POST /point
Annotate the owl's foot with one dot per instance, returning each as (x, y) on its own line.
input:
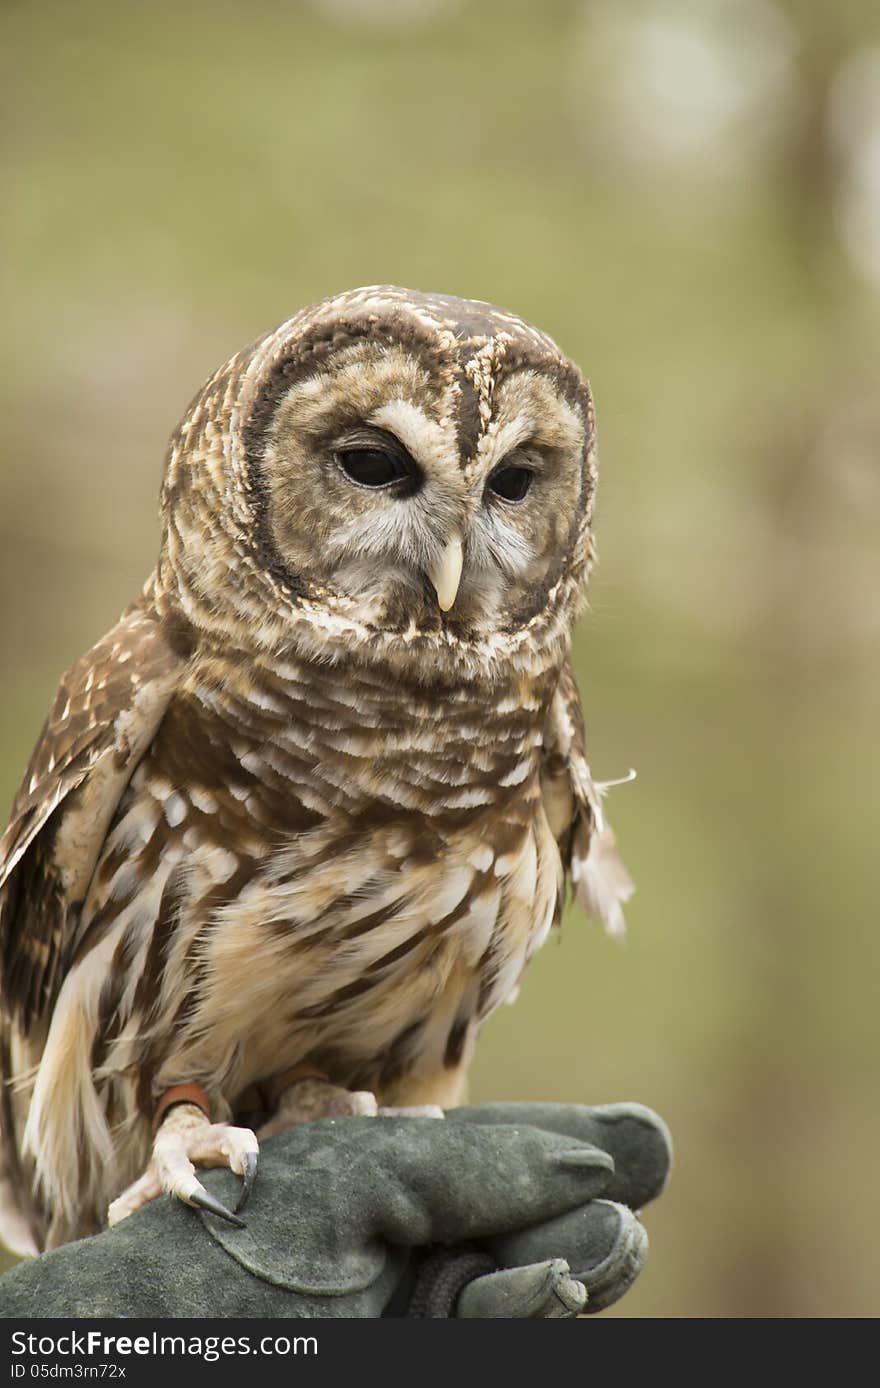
(312, 1098)
(188, 1138)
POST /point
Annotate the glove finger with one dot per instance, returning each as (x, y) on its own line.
(505, 1178)
(604, 1246)
(637, 1139)
(542, 1291)
(334, 1193)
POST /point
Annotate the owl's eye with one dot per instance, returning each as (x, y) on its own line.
(370, 467)
(510, 483)
(375, 462)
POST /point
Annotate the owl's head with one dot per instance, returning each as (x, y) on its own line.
(390, 475)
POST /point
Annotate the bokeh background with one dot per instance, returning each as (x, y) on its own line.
(687, 196)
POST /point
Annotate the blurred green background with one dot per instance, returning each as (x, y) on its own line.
(687, 196)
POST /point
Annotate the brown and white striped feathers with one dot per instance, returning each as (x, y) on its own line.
(314, 798)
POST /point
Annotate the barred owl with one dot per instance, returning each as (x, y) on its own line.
(295, 826)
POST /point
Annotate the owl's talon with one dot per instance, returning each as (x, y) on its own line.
(249, 1175)
(203, 1200)
(187, 1138)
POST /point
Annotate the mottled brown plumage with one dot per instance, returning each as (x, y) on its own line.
(290, 809)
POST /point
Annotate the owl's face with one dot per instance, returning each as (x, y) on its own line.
(374, 492)
(416, 474)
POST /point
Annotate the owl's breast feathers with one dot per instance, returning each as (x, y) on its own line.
(221, 864)
(364, 868)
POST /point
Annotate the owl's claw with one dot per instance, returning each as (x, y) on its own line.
(249, 1175)
(203, 1200)
(186, 1138)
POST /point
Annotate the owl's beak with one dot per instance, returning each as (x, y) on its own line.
(445, 573)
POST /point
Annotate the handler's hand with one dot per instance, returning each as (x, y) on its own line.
(516, 1210)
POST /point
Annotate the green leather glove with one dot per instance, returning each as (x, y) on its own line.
(516, 1210)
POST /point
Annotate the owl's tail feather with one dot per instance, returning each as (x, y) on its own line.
(18, 1223)
(16, 1232)
(67, 1133)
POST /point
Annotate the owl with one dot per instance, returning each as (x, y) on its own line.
(295, 826)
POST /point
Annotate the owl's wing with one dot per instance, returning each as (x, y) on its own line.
(107, 709)
(573, 805)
